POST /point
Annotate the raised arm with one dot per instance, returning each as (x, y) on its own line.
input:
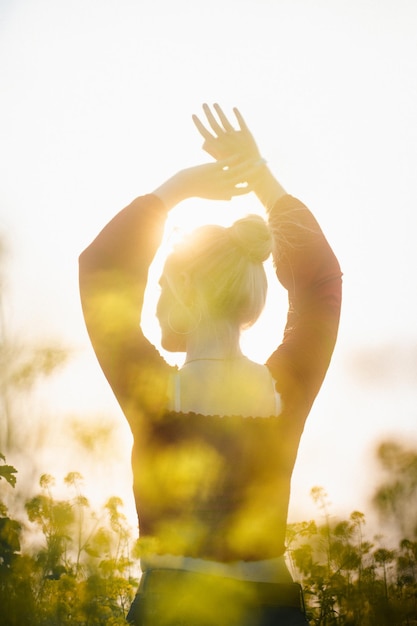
(113, 273)
(307, 267)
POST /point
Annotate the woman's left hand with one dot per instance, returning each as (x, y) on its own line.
(214, 181)
(217, 181)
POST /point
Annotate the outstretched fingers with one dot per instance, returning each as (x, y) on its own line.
(202, 129)
(222, 117)
(240, 120)
(222, 139)
(218, 129)
(215, 126)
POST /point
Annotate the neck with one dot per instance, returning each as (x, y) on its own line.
(220, 342)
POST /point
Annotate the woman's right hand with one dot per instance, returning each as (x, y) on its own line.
(223, 141)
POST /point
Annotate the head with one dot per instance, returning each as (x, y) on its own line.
(214, 276)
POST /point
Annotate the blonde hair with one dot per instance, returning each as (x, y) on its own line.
(225, 267)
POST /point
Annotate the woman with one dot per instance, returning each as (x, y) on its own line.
(215, 441)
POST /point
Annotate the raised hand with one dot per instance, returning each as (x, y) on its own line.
(222, 140)
(239, 167)
(215, 181)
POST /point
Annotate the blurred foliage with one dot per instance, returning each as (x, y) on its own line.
(23, 364)
(396, 498)
(349, 580)
(79, 568)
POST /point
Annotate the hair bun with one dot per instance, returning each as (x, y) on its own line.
(252, 235)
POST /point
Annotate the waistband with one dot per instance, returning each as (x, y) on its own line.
(268, 570)
(161, 581)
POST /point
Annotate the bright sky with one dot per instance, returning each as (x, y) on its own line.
(95, 109)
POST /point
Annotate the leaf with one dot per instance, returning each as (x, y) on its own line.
(28, 365)
(7, 472)
(92, 551)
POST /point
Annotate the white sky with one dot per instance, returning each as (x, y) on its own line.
(96, 100)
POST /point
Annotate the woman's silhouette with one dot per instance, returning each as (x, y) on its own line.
(215, 441)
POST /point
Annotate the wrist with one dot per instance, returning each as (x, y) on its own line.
(171, 192)
(267, 188)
